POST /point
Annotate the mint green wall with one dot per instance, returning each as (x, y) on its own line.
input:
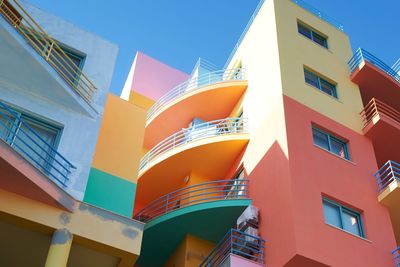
(110, 192)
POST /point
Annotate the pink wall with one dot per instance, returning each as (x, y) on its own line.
(153, 78)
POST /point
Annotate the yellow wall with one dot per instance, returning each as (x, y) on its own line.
(140, 100)
(190, 253)
(120, 142)
(331, 63)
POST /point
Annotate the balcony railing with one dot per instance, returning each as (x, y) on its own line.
(46, 47)
(388, 173)
(319, 14)
(376, 107)
(362, 55)
(237, 243)
(196, 132)
(396, 66)
(196, 83)
(396, 254)
(29, 144)
(196, 194)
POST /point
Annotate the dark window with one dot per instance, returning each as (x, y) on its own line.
(330, 143)
(320, 83)
(312, 35)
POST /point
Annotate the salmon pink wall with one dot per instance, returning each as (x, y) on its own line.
(316, 172)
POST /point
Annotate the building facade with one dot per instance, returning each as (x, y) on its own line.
(275, 136)
(286, 156)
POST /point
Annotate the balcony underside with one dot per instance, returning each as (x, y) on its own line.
(21, 177)
(375, 83)
(383, 131)
(208, 103)
(210, 157)
(209, 221)
(390, 197)
(25, 72)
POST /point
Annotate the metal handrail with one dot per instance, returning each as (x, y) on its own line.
(376, 107)
(396, 66)
(319, 14)
(27, 142)
(396, 255)
(49, 49)
(196, 132)
(237, 243)
(388, 173)
(196, 83)
(362, 55)
(191, 195)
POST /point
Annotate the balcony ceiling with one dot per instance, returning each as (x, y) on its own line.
(375, 83)
(210, 157)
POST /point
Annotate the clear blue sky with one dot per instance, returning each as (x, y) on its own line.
(177, 32)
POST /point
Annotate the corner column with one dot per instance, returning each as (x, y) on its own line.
(59, 249)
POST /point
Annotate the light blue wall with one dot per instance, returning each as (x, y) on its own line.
(80, 125)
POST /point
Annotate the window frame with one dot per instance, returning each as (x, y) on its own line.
(335, 138)
(312, 33)
(342, 209)
(319, 79)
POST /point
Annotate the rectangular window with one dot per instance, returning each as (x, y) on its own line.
(342, 217)
(320, 83)
(15, 132)
(330, 143)
(312, 35)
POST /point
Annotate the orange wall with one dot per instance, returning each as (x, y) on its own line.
(190, 253)
(120, 141)
(315, 172)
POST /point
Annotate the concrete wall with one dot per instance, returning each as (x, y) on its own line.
(80, 129)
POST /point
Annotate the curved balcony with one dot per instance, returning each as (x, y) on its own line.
(388, 178)
(220, 90)
(205, 210)
(382, 126)
(208, 149)
(375, 78)
(192, 195)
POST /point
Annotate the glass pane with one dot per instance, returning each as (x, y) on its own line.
(338, 147)
(311, 78)
(320, 39)
(328, 88)
(332, 214)
(351, 222)
(33, 148)
(6, 126)
(304, 31)
(321, 139)
(65, 65)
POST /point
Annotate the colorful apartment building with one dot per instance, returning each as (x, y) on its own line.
(285, 156)
(291, 131)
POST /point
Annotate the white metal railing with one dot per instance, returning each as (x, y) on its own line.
(196, 132)
(196, 83)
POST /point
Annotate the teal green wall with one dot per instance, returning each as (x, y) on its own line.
(110, 192)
